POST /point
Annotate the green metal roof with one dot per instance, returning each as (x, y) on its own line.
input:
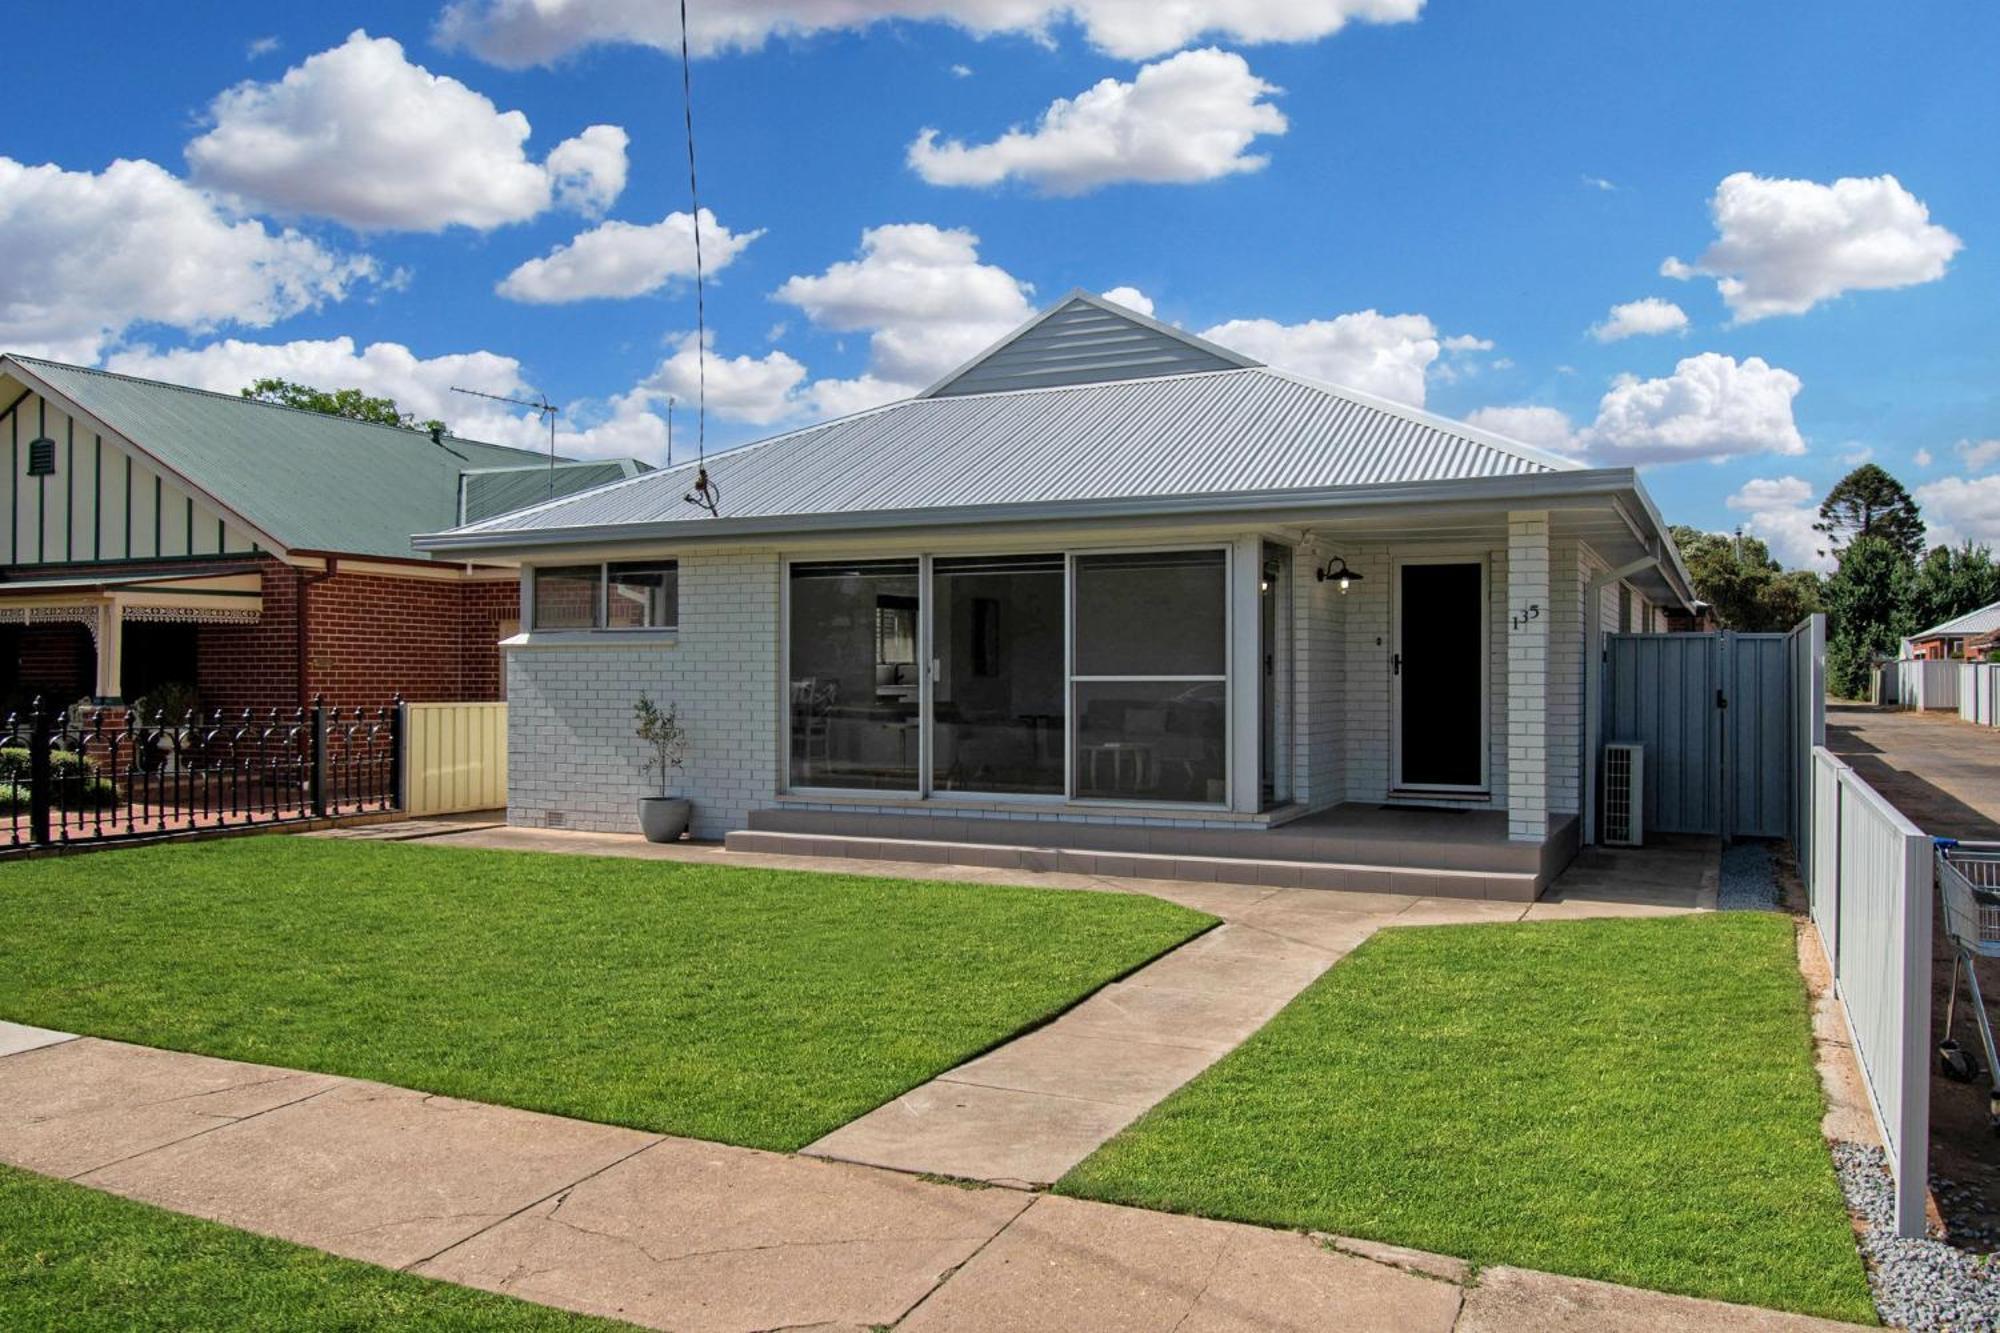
(488, 494)
(310, 481)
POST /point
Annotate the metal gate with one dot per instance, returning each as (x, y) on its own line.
(1715, 713)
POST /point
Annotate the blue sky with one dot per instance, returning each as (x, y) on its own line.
(1487, 180)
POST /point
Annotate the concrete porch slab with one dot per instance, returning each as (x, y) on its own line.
(1071, 1264)
(70, 1107)
(383, 1174)
(705, 1238)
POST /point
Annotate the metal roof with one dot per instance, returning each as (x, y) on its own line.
(1972, 622)
(1085, 339)
(489, 492)
(1177, 437)
(309, 481)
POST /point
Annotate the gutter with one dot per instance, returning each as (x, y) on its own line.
(1593, 681)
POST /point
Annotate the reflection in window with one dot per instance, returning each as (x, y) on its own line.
(997, 633)
(642, 595)
(853, 680)
(566, 596)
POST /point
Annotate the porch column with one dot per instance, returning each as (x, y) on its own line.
(110, 635)
(1528, 675)
(1245, 675)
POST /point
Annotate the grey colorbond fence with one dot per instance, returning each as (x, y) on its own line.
(1921, 683)
(1868, 870)
(1979, 692)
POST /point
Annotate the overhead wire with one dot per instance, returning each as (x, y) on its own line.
(706, 494)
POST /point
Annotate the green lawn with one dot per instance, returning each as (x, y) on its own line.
(754, 1007)
(74, 1259)
(1627, 1100)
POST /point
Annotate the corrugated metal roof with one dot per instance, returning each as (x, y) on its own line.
(311, 481)
(1083, 340)
(490, 492)
(1178, 436)
(1972, 622)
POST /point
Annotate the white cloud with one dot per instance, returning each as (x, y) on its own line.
(261, 46)
(1712, 406)
(89, 255)
(1979, 454)
(961, 71)
(1783, 246)
(757, 389)
(1380, 354)
(1648, 315)
(923, 297)
(1780, 512)
(1856, 456)
(1131, 298)
(618, 259)
(359, 134)
(1186, 119)
(517, 33)
(1599, 183)
(1467, 342)
(1959, 509)
(1543, 427)
(1923, 458)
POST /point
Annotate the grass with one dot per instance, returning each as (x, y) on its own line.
(74, 1259)
(763, 1008)
(1633, 1101)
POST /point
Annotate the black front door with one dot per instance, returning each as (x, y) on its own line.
(1441, 676)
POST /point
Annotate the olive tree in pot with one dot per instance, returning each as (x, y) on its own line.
(662, 818)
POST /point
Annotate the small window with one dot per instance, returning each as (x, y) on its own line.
(566, 596)
(642, 595)
(42, 457)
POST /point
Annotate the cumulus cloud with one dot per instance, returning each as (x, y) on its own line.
(1783, 246)
(518, 33)
(616, 259)
(1959, 509)
(1648, 315)
(1923, 458)
(1131, 298)
(1978, 454)
(1543, 427)
(1186, 119)
(1385, 355)
(755, 389)
(923, 297)
(91, 254)
(1781, 511)
(359, 134)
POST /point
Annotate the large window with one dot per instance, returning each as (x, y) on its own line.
(997, 635)
(620, 595)
(855, 688)
(1150, 677)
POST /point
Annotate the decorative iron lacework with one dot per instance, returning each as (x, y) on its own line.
(84, 613)
(192, 615)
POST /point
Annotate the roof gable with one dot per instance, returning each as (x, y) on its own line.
(1084, 339)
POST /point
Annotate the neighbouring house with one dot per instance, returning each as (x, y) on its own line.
(1956, 637)
(1108, 596)
(161, 540)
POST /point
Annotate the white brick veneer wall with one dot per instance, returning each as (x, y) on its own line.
(1528, 646)
(569, 709)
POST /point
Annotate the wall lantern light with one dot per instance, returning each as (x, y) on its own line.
(1337, 571)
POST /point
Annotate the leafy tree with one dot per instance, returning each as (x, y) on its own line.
(1868, 605)
(1748, 589)
(1868, 502)
(349, 403)
(1951, 581)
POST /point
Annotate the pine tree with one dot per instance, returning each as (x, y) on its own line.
(1868, 502)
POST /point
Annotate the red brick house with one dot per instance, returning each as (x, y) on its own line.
(153, 535)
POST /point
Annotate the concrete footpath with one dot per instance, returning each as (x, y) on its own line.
(688, 1235)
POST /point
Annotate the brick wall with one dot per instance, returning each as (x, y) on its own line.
(253, 666)
(1528, 647)
(569, 712)
(57, 662)
(372, 636)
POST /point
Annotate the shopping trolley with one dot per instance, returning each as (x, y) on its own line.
(1968, 880)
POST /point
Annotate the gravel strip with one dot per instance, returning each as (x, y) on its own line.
(1923, 1285)
(1749, 878)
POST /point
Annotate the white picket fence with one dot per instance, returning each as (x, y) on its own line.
(1979, 692)
(1869, 875)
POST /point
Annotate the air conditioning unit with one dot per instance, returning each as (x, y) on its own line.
(1624, 795)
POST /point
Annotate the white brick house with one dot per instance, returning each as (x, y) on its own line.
(1107, 595)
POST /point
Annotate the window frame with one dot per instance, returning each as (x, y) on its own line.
(601, 603)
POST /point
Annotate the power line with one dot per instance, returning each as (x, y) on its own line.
(705, 494)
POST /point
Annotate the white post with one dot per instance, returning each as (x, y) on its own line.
(1528, 617)
(1246, 673)
(110, 636)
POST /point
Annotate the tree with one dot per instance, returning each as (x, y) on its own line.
(1951, 581)
(1868, 606)
(349, 403)
(1748, 589)
(1868, 502)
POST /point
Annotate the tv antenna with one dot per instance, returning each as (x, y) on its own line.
(542, 407)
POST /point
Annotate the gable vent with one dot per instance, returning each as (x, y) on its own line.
(42, 457)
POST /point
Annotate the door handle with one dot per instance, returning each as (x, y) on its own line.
(1396, 664)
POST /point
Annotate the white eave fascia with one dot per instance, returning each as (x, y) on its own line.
(1268, 506)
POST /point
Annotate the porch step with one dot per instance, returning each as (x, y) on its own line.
(1501, 886)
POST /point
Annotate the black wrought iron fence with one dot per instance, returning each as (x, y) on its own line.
(77, 776)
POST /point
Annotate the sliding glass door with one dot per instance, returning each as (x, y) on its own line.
(854, 680)
(997, 707)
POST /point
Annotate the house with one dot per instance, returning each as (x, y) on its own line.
(1107, 595)
(1954, 637)
(158, 536)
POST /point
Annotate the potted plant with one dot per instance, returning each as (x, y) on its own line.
(662, 818)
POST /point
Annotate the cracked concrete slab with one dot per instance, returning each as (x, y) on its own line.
(703, 1237)
(71, 1107)
(18, 1037)
(383, 1174)
(1515, 1300)
(1019, 1139)
(1066, 1263)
